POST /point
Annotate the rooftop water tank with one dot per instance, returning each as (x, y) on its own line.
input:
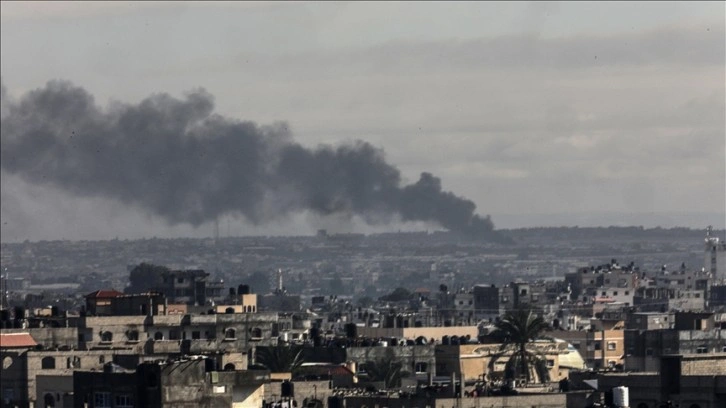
(621, 397)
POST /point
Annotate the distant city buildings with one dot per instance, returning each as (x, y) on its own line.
(178, 337)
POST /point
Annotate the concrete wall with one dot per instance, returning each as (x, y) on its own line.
(413, 332)
(703, 364)
(65, 363)
(14, 385)
(535, 401)
(248, 397)
(59, 387)
(302, 390)
(408, 355)
(51, 337)
(471, 361)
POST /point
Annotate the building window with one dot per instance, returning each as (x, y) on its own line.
(230, 334)
(649, 352)
(420, 368)
(47, 363)
(173, 335)
(102, 399)
(598, 346)
(702, 350)
(550, 363)
(257, 332)
(611, 345)
(106, 337)
(627, 293)
(158, 336)
(124, 401)
(132, 335)
(101, 359)
(196, 335)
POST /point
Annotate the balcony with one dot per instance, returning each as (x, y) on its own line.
(196, 320)
(199, 346)
(165, 346)
(170, 320)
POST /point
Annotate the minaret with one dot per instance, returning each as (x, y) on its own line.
(715, 256)
(279, 280)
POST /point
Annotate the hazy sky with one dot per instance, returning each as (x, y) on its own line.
(541, 113)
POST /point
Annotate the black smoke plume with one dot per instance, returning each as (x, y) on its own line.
(180, 160)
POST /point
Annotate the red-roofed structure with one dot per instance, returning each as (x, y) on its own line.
(99, 302)
(340, 375)
(104, 294)
(16, 340)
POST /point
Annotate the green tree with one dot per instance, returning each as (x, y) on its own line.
(386, 369)
(518, 328)
(280, 359)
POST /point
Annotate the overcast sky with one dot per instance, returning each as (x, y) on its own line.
(541, 113)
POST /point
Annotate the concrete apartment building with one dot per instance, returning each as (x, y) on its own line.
(471, 362)
(40, 368)
(584, 283)
(690, 333)
(193, 382)
(598, 348)
(691, 381)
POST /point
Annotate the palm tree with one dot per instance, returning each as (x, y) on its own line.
(518, 328)
(386, 369)
(280, 359)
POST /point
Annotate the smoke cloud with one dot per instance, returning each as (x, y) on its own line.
(178, 159)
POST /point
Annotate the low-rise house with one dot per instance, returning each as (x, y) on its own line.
(599, 348)
(692, 381)
(196, 381)
(644, 349)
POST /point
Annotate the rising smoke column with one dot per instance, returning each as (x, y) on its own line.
(180, 160)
